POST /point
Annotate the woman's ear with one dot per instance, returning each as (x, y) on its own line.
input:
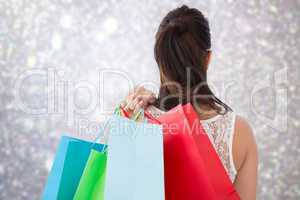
(207, 59)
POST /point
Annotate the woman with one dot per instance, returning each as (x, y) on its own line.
(182, 52)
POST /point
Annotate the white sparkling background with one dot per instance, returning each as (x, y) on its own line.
(252, 40)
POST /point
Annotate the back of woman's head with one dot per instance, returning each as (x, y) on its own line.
(181, 51)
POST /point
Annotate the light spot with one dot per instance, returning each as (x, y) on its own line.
(48, 163)
(2, 170)
(28, 124)
(31, 61)
(56, 41)
(100, 36)
(66, 21)
(110, 25)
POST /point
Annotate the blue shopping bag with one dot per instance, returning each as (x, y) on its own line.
(68, 166)
(135, 161)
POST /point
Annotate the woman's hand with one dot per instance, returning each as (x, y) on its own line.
(137, 99)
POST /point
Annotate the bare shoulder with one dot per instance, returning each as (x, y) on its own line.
(244, 143)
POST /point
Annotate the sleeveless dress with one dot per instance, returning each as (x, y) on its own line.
(220, 130)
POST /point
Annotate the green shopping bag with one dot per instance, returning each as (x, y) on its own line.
(91, 185)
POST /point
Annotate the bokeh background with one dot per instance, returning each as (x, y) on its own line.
(255, 69)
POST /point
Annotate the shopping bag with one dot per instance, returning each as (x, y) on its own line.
(185, 175)
(213, 166)
(67, 168)
(92, 182)
(135, 161)
(202, 176)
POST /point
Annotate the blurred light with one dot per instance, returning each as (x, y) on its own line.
(31, 61)
(66, 21)
(48, 163)
(56, 41)
(110, 25)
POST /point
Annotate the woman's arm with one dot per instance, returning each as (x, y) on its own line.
(245, 158)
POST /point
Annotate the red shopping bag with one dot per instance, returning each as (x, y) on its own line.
(192, 167)
(185, 176)
(213, 166)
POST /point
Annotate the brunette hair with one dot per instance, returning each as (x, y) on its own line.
(182, 44)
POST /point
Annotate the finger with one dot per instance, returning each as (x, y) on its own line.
(123, 104)
(134, 98)
(133, 103)
(139, 93)
(138, 107)
(151, 98)
(147, 99)
(129, 101)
